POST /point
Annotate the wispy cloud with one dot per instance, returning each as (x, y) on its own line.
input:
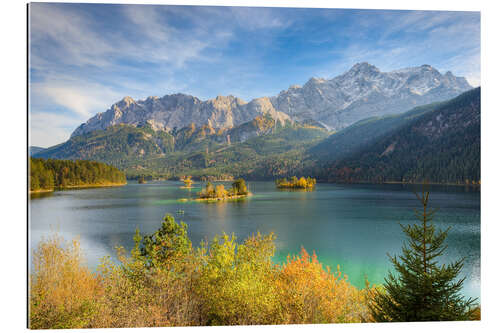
(48, 129)
(79, 97)
(445, 40)
(84, 57)
(260, 18)
(65, 37)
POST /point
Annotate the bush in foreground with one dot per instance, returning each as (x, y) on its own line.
(166, 282)
(63, 292)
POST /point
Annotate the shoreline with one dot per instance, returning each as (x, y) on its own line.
(309, 188)
(71, 187)
(403, 183)
(41, 191)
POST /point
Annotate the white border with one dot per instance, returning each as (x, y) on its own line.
(13, 138)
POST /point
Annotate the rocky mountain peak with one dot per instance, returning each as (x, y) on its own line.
(363, 67)
(314, 81)
(125, 102)
(427, 67)
(364, 91)
(361, 92)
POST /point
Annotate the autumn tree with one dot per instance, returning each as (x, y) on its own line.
(239, 187)
(220, 191)
(188, 182)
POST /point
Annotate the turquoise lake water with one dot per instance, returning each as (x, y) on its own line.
(353, 226)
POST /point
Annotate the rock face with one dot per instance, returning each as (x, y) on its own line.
(179, 111)
(361, 92)
(364, 91)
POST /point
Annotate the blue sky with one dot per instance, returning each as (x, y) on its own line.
(85, 57)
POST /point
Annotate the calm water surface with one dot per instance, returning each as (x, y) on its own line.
(353, 226)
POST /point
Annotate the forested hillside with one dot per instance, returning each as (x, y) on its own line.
(279, 152)
(351, 139)
(113, 145)
(260, 148)
(439, 142)
(441, 146)
(52, 174)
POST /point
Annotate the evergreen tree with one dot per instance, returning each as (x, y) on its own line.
(168, 244)
(422, 290)
(239, 187)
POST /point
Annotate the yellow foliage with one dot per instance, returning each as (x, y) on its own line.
(63, 292)
(221, 283)
(311, 294)
(236, 283)
(220, 191)
(140, 297)
(295, 183)
(188, 182)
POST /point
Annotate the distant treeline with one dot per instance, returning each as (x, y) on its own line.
(50, 174)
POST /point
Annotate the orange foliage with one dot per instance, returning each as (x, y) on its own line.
(221, 283)
(311, 294)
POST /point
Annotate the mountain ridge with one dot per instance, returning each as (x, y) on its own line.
(361, 92)
(442, 146)
(365, 91)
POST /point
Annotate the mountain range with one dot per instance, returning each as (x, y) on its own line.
(361, 92)
(364, 91)
(311, 129)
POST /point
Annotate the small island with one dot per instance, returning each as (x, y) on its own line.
(188, 182)
(210, 193)
(296, 183)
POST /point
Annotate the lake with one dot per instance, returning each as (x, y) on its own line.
(353, 226)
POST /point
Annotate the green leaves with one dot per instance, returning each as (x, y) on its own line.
(167, 245)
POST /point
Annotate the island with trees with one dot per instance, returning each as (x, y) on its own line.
(296, 183)
(49, 175)
(188, 182)
(217, 193)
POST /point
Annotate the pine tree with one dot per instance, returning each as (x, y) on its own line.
(422, 290)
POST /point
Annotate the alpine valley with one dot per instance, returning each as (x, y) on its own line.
(365, 125)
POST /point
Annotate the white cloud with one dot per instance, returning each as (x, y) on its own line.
(259, 18)
(81, 97)
(467, 65)
(160, 42)
(48, 129)
(445, 40)
(82, 65)
(65, 37)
